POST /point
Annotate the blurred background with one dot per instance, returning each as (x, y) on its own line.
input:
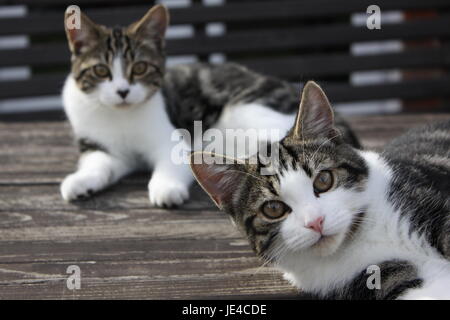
(403, 67)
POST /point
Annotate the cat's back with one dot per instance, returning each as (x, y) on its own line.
(224, 83)
(201, 91)
(420, 184)
(424, 147)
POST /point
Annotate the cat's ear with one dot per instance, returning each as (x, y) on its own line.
(315, 117)
(152, 25)
(81, 35)
(218, 175)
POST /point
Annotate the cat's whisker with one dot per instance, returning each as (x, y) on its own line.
(276, 251)
(263, 265)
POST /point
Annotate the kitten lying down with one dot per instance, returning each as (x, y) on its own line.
(330, 215)
(124, 106)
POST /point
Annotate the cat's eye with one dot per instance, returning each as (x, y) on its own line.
(275, 209)
(139, 68)
(101, 71)
(323, 181)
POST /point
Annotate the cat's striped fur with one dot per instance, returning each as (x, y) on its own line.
(420, 187)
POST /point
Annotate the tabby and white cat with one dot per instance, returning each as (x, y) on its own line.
(330, 212)
(124, 106)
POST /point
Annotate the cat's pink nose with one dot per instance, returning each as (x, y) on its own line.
(316, 224)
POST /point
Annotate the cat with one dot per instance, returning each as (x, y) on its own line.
(123, 105)
(332, 216)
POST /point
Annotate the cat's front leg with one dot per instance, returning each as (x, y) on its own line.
(96, 171)
(169, 184)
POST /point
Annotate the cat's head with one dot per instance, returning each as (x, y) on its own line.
(119, 67)
(312, 203)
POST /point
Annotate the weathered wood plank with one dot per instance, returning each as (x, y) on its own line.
(149, 266)
(123, 196)
(123, 249)
(136, 269)
(242, 283)
(65, 226)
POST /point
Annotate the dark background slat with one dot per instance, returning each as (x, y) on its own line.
(42, 22)
(320, 36)
(311, 66)
(39, 85)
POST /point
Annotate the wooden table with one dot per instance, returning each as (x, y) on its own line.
(124, 248)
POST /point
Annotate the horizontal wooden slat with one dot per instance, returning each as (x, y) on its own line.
(310, 37)
(38, 23)
(328, 6)
(38, 85)
(63, 3)
(126, 195)
(302, 67)
(414, 89)
(36, 55)
(242, 284)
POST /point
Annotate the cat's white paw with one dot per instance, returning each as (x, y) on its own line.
(77, 185)
(167, 193)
